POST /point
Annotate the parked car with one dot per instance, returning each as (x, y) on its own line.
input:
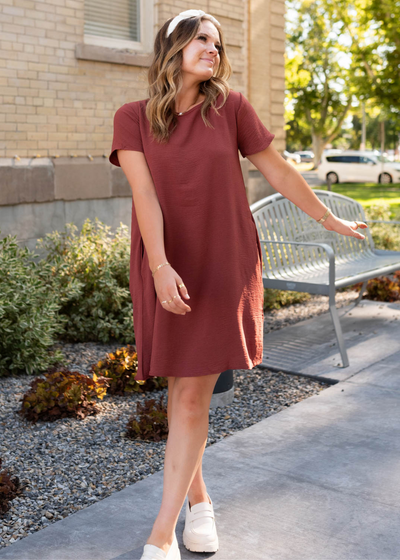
(294, 157)
(353, 166)
(306, 156)
(391, 155)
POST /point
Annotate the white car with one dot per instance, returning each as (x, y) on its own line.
(357, 167)
(294, 157)
(306, 156)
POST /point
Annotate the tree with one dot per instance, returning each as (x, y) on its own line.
(298, 131)
(318, 72)
(339, 51)
(373, 125)
(373, 27)
(387, 14)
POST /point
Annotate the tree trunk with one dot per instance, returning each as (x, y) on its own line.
(318, 147)
(364, 130)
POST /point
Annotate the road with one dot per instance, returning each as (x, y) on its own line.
(311, 178)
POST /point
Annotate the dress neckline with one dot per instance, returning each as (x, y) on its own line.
(186, 112)
(191, 109)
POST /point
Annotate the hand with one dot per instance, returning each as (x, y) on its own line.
(344, 227)
(166, 282)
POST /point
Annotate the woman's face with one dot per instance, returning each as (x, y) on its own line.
(202, 55)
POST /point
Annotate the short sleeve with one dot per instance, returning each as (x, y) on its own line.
(252, 135)
(127, 135)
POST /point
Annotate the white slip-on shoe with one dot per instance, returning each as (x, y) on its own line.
(200, 532)
(152, 552)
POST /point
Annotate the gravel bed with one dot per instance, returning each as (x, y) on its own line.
(275, 319)
(67, 465)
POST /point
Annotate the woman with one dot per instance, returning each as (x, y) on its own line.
(179, 152)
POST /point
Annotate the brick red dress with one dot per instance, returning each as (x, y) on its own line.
(210, 240)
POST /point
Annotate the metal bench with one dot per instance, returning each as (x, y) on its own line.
(300, 254)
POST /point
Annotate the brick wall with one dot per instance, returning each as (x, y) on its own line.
(58, 95)
(53, 103)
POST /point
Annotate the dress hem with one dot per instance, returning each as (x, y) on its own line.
(245, 366)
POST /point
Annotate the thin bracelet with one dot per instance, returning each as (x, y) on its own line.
(159, 266)
(325, 216)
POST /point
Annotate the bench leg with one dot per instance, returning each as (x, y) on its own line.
(338, 331)
(360, 295)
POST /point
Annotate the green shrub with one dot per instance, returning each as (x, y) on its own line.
(29, 322)
(385, 236)
(62, 394)
(90, 273)
(10, 487)
(153, 421)
(275, 299)
(120, 369)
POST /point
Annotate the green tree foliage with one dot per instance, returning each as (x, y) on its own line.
(339, 52)
(375, 50)
(373, 132)
(318, 74)
(373, 26)
(387, 15)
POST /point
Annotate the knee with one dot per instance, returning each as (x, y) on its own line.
(190, 402)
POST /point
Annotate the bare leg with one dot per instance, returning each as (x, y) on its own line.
(198, 491)
(187, 437)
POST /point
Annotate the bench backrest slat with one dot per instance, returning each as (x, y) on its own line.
(278, 219)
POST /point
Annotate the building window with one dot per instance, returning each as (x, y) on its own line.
(123, 24)
(119, 20)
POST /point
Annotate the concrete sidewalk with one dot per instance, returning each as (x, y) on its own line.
(317, 481)
(371, 332)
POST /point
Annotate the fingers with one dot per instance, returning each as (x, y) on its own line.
(183, 289)
(353, 228)
(173, 303)
(361, 225)
(355, 233)
(169, 293)
(177, 305)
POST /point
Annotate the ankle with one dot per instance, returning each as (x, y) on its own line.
(198, 496)
(161, 539)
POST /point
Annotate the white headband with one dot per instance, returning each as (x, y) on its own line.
(185, 15)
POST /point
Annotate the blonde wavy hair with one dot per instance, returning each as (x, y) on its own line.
(165, 79)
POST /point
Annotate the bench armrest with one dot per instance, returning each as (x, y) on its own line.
(391, 222)
(324, 246)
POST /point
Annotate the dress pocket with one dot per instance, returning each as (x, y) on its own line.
(141, 255)
(258, 243)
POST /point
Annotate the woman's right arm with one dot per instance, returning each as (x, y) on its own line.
(151, 225)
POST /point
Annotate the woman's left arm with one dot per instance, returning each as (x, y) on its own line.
(285, 179)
